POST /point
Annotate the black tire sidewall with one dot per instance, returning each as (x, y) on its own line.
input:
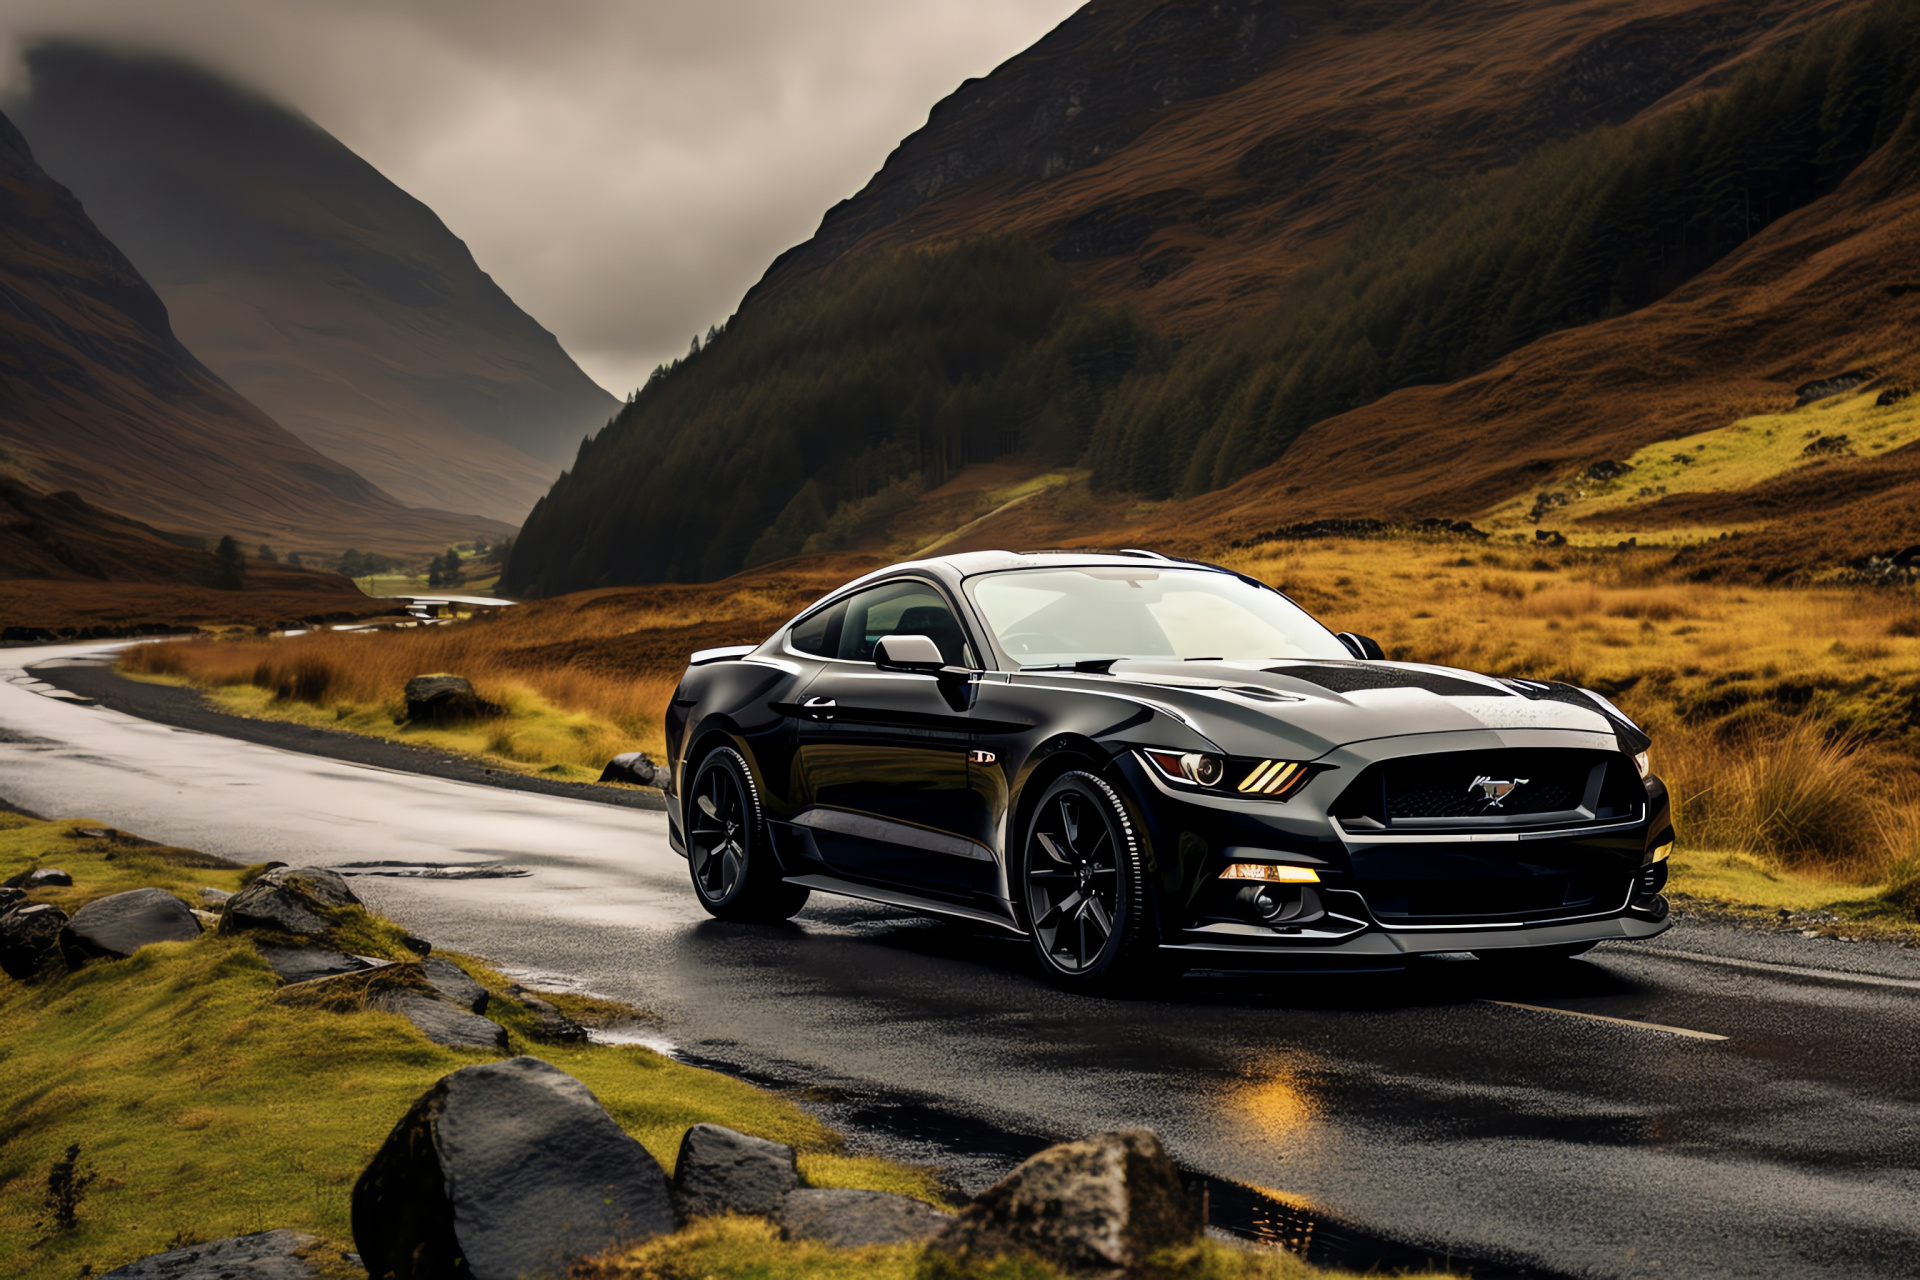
(1125, 946)
(754, 842)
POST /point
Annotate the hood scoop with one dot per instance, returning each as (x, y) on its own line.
(1355, 677)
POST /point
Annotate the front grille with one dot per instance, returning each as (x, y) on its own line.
(1493, 789)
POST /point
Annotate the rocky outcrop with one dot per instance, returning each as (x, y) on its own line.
(268, 1255)
(721, 1171)
(454, 984)
(1102, 1204)
(39, 878)
(30, 938)
(444, 1022)
(548, 1022)
(847, 1219)
(636, 769)
(445, 699)
(291, 900)
(120, 924)
(503, 1170)
(304, 964)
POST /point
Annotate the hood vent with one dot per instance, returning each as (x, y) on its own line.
(1344, 678)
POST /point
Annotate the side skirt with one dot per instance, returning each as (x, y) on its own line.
(893, 898)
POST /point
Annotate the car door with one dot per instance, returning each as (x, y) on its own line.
(883, 754)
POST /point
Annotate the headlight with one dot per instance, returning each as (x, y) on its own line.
(1193, 766)
(1644, 763)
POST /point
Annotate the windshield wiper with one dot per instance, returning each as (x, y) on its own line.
(1092, 666)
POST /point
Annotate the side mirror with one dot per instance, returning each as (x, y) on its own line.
(908, 653)
(1366, 648)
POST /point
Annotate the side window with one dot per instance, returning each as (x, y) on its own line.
(901, 609)
(819, 633)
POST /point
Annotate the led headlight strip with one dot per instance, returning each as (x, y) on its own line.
(1276, 778)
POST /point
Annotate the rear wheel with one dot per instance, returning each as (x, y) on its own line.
(734, 872)
(1084, 888)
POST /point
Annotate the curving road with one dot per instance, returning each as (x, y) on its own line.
(1719, 1101)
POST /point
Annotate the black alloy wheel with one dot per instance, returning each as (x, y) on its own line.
(734, 872)
(1085, 893)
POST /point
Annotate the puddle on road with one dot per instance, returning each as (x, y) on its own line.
(977, 1153)
(432, 870)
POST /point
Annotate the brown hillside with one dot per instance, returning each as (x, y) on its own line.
(1832, 288)
(98, 395)
(1187, 157)
(318, 289)
(66, 566)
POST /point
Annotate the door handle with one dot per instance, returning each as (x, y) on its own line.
(819, 708)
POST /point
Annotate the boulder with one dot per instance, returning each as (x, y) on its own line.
(212, 897)
(445, 699)
(444, 1022)
(121, 923)
(548, 1022)
(454, 984)
(39, 878)
(288, 900)
(269, 1255)
(503, 1170)
(1101, 1204)
(11, 898)
(636, 768)
(303, 964)
(851, 1219)
(29, 937)
(720, 1171)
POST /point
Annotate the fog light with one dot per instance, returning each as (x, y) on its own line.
(1664, 852)
(1651, 880)
(1271, 873)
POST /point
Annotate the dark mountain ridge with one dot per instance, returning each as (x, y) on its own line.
(312, 284)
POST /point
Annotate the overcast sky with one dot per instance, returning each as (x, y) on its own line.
(625, 169)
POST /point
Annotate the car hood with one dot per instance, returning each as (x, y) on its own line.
(1314, 707)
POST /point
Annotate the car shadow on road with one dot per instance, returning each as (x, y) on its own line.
(874, 946)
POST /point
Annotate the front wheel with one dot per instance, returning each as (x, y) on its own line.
(1084, 887)
(734, 872)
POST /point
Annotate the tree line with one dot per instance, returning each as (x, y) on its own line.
(886, 374)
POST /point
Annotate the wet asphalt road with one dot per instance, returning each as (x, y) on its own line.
(1467, 1112)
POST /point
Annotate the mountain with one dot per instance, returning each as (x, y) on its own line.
(1175, 242)
(311, 284)
(98, 395)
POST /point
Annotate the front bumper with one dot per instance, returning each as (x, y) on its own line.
(1383, 896)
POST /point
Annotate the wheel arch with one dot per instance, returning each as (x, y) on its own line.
(1060, 755)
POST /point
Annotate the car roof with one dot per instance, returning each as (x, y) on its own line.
(967, 564)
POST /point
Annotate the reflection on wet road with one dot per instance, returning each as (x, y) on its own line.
(1451, 1107)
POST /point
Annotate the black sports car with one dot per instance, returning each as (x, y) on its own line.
(1127, 757)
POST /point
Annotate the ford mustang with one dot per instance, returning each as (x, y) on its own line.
(1133, 759)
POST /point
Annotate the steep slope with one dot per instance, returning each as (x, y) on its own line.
(1495, 205)
(1187, 157)
(313, 285)
(98, 395)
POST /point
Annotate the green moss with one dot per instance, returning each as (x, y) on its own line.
(210, 1111)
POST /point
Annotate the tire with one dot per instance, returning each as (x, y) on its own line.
(1517, 956)
(1083, 888)
(729, 855)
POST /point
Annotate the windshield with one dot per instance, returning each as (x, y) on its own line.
(1047, 616)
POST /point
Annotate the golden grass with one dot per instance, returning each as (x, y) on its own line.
(1784, 719)
(1738, 456)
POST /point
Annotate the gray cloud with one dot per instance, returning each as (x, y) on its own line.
(625, 169)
